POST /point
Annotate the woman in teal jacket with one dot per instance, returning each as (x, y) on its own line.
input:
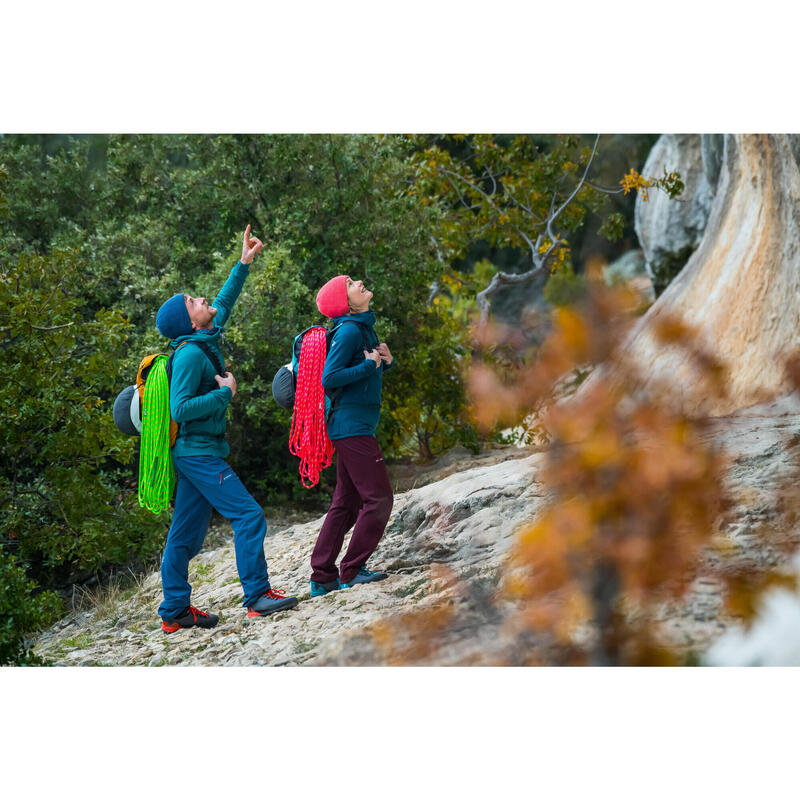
(353, 379)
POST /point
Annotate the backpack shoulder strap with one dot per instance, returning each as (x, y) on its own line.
(362, 329)
(210, 354)
(212, 357)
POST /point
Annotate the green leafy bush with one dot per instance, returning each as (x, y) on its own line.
(69, 504)
(98, 231)
(21, 611)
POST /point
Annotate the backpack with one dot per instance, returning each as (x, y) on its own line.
(298, 386)
(130, 401)
(148, 401)
(284, 383)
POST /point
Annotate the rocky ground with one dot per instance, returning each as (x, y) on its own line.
(444, 547)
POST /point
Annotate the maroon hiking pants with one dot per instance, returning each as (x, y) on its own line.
(363, 496)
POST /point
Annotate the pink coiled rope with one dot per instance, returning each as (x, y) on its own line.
(309, 437)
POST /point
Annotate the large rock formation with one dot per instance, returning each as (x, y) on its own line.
(741, 286)
(670, 230)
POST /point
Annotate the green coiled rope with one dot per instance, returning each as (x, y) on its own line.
(156, 473)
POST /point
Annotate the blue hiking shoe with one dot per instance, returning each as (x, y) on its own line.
(270, 602)
(318, 589)
(365, 575)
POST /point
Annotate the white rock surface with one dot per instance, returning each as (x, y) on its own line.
(669, 230)
(466, 520)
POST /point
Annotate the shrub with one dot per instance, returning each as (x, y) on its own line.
(21, 611)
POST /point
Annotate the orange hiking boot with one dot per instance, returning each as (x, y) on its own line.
(190, 618)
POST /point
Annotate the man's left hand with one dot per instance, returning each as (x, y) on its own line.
(385, 353)
(251, 247)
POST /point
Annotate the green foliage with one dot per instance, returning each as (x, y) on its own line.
(21, 611)
(613, 226)
(99, 232)
(425, 412)
(64, 506)
(504, 189)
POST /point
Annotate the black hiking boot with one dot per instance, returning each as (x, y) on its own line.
(190, 618)
(270, 602)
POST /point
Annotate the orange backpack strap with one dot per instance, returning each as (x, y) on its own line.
(145, 366)
(173, 431)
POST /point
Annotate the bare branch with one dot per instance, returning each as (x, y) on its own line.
(503, 279)
(553, 241)
(53, 328)
(576, 190)
(605, 189)
(539, 260)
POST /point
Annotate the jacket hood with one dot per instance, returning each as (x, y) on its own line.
(205, 335)
(365, 318)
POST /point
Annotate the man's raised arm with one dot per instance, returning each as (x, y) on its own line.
(228, 294)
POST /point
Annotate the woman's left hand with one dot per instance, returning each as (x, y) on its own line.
(385, 353)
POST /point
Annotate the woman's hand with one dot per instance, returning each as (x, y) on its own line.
(251, 247)
(385, 353)
(373, 355)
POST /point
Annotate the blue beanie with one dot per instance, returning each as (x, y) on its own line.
(172, 319)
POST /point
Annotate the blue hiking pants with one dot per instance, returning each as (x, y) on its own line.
(206, 482)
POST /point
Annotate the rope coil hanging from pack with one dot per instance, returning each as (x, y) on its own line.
(156, 473)
(309, 436)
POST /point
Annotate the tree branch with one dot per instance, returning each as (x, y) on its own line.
(576, 190)
(605, 189)
(503, 279)
(492, 204)
(553, 240)
(461, 196)
(53, 328)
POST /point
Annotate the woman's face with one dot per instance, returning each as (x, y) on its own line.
(357, 296)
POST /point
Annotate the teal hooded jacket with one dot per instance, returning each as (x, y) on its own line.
(196, 402)
(355, 380)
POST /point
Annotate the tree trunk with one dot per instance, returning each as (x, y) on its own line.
(741, 287)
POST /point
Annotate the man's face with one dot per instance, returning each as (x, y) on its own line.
(200, 312)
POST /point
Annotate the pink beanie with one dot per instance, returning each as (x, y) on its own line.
(332, 297)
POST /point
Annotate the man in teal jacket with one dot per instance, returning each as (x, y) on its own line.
(200, 392)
